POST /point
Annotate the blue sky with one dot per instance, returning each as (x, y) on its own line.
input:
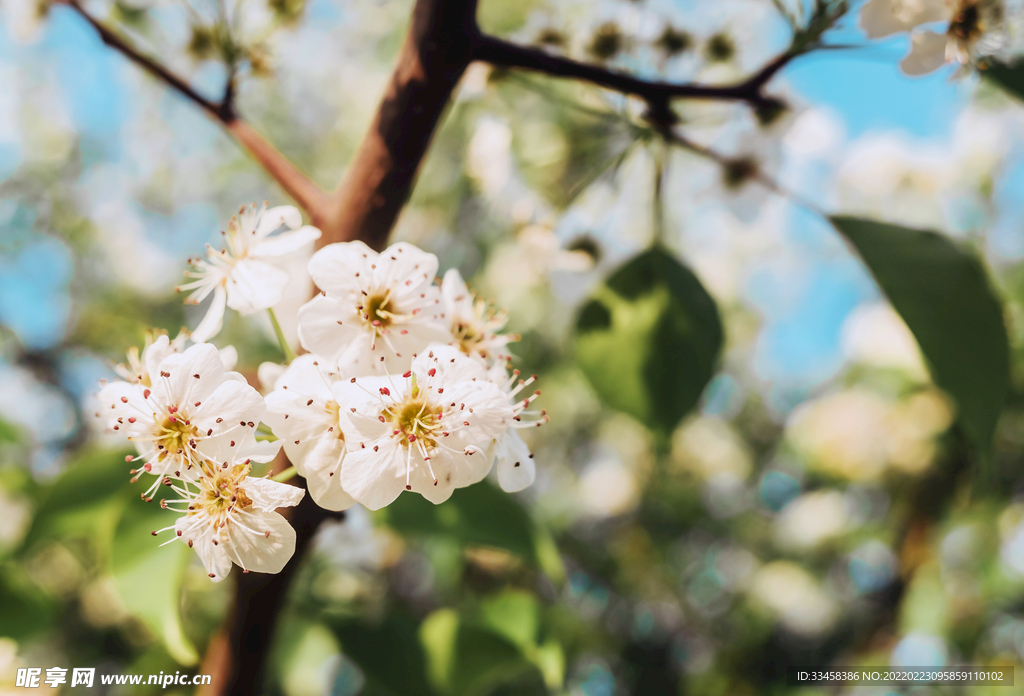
(864, 87)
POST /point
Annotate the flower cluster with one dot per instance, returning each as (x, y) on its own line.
(405, 387)
(973, 28)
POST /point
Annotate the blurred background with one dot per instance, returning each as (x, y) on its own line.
(817, 507)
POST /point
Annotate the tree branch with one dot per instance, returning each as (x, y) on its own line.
(437, 48)
(296, 184)
(501, 53)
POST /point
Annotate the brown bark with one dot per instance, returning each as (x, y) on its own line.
(435, 53)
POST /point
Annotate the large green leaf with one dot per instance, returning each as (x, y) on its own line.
(464, 659)
(24, 610)
(149, 575)
(944, 295)
(649, 338)
(389, 654)
(1009, 77)
(480, 515)
(85, 500)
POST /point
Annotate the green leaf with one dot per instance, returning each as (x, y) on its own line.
(467, 660)
(1009, 77)
(84, 500)
(149, 575)
(514, 615)
(479, 515)
(24, 610)
(944, 295)
(648, 340)
(389, 654)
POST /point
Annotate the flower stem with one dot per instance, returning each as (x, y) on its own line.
(288, 473)
(289, 354)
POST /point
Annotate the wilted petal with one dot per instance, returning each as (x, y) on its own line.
(927, 53)
(267, 495)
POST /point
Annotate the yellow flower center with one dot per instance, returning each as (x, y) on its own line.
(377, 312)
(176, 432)
(414, 421)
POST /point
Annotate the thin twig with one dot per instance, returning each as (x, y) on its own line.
(501, 53)
(295, 183)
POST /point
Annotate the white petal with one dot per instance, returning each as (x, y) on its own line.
(234, 403)
(927, 53)
(334, 267)
(458, 300)
(267, 495)
(263, 554)
(121, 400)
(374, 479)
(405, 266)
(321, 468)
(211, 324)
(214, 558)
(279, 216)
(261, 451)
(514, 464)
(319, 330)
(268, 373)
(884, 17)
(181, 387)
(255, 285)
(286, 243)
(229, 357)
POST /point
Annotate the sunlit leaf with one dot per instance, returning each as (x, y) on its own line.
(149, 575)
(467, 660)
(649, 338)
(944, 295)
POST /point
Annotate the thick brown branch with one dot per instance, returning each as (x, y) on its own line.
(436, 51)
(296, 184)
(509, 55)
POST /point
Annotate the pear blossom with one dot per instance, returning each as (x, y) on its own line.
(513, 460)
(303, 412)
(425, 431)
(372, 306)
(474, 326)
(245, 274)
(192, 406)
(974, 28)
(230, 517)
(141, 368)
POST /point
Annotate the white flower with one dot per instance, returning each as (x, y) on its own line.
(243, 275)
(302, 411)
(24, 18)
(140, 369)
(191, 407)
(473, 325)
(229, 516)
(425, 431)
(513, 460)
(372, 306)
(975, 27)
